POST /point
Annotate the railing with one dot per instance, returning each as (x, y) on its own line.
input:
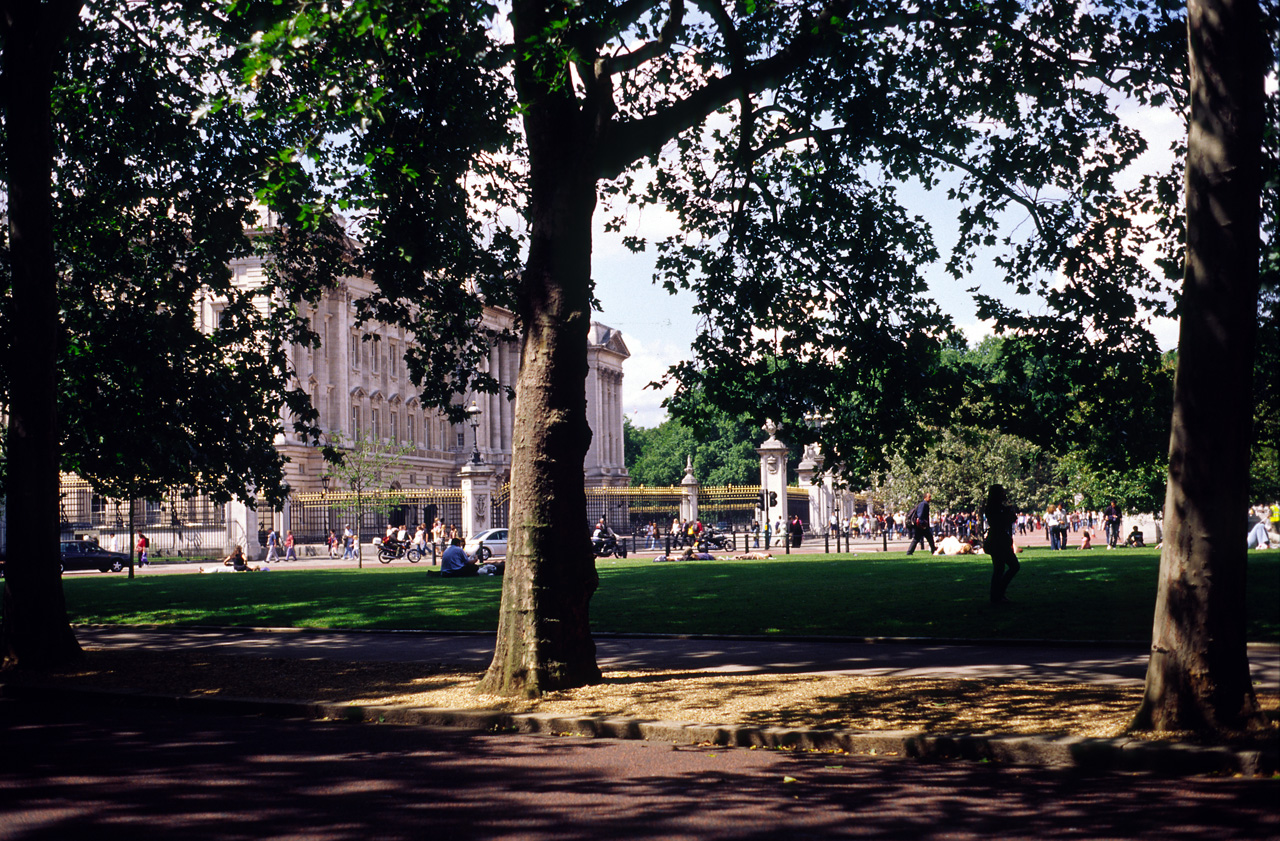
(313, 515)
(178, 525)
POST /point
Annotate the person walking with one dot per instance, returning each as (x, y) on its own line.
(331, 544)
(1111, 523)
(348, 543)
(1051, 525)
(143, 545)
(999, 542)
(289, 553)
(273, 546)
(921, 526)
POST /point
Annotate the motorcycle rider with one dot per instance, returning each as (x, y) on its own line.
(604, 541)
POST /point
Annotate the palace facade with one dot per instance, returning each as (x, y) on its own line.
(361, 387)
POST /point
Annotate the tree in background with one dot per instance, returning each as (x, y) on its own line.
(1104, 432)
(723, 451)
(960, 467)
(369, 468)
(1198, 675)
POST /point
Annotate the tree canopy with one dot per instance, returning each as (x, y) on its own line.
(149, 209)
(780, 137)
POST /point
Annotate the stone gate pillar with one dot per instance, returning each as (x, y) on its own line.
(689, 492)
(477, 498)
(242, 530)
(773, 476)
(820, 502)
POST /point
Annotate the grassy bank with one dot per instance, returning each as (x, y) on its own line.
(1093, 595)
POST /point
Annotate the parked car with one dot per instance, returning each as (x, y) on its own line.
(86, 554)
(487, 543)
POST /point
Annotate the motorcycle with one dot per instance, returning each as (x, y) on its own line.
(609, 546)
(390, 550)
(712, 539)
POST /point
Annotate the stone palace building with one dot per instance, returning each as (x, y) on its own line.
(362, 387)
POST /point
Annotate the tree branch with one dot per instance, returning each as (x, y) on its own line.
(627, 62)
(635, 139)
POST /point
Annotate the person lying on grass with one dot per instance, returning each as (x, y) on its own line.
(954, 546)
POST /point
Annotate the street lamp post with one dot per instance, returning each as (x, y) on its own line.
(473, 414)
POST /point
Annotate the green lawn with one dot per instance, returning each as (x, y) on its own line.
(1095, 595)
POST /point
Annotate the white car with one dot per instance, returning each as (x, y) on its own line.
(487, 543)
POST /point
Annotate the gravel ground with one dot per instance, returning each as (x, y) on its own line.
(858, 703)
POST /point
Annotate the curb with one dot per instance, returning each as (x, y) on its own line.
(1054, 751)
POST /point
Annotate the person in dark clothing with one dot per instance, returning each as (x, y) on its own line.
(922, 530)
(1111, 523)
(999, 543)
(455, 561)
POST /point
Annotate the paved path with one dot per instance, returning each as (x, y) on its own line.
(1045, 662)
(69, 773)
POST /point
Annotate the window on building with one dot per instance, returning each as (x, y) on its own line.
(462, 440)
(375, 425)
(355, 350)
(392, 368)
(409, 431)
(376, 350)
(355, 422)
(394, 429)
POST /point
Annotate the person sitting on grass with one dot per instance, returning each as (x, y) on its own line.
(235, 560)
(1086, 540)
(1135, 539)
(1258, 537)
(455, 563)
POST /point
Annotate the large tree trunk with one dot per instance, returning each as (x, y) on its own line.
(544, 636)
(35, 631)
(1198, 676)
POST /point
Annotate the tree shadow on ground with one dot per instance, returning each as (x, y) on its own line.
(73, 773)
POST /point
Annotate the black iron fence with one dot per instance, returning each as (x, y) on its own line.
(313, 515)
(179, 524)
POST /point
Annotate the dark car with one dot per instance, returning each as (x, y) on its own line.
(85, 554)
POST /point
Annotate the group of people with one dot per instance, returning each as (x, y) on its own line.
(273, 544)
(1001, 520)
(439, 536)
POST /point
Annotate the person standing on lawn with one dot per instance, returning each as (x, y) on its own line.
(921, 525)
(999, 543)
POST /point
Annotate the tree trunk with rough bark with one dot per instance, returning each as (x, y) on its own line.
(35, 633)
(544, 636)
(1198, 675)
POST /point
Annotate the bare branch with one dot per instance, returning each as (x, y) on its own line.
(627, 62)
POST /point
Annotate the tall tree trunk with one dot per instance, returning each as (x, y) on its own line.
(544, 635)
(1198, 676)
(35, 630)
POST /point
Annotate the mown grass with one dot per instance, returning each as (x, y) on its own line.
(1096, 595)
